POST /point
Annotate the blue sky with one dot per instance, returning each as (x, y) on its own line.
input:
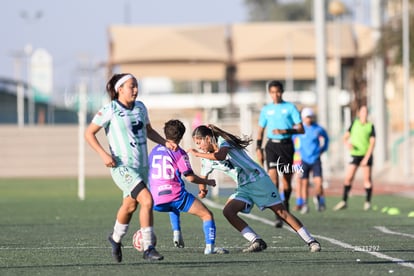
(75, 29)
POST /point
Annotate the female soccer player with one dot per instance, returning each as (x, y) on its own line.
(226, 152)
(127, 128)
(168, 188)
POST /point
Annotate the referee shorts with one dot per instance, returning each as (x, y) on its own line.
(279, 155)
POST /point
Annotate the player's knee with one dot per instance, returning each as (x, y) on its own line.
(207, 215)
(146, 202)
(130, 206)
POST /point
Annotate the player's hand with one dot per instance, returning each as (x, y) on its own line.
(211, 182)
(348, 145)
(109, 161)
(364, 162)
(202, 193)
(171, 145)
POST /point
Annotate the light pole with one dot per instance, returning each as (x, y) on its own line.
(336, 9)
(18, 57)
(29, 19)
(406, 62)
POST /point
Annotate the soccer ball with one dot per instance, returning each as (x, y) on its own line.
(138, 243)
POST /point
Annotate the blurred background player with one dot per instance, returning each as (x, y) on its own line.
(360, 140)
(220, 150)
(313, 143)
(167, 167)
(127, 128)
(282, 120)
(297, 164)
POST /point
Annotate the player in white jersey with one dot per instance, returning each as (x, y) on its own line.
(226, 152)
(127, 128)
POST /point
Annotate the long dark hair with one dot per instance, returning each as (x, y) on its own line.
(110, 86)
(214, 131)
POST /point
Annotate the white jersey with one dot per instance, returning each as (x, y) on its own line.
(126, 130)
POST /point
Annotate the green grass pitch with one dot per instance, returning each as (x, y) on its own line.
(46, 230)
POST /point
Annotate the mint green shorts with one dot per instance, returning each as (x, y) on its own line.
(126, 178)
(263, 193)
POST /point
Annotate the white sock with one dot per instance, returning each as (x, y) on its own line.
(305, 235)
(147, 234)
(209, 247)
(119, 231)
(249, 234)
(176, 234)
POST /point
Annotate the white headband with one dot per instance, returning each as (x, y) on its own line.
(122, 80)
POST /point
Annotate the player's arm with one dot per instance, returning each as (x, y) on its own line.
(296, 129)
(259, 142)
(90, 137)
(154, 136)
(219, 155)
(325, 137)
(346, 137)
(370, 147)
(193, 178)
(202, 182)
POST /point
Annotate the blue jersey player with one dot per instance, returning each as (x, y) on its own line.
(167, 170)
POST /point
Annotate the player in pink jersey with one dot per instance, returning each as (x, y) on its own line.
(167, 187)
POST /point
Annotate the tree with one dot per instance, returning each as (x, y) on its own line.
(273, 10)
(391, 44)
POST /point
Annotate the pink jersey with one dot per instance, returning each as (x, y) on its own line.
(166, 169)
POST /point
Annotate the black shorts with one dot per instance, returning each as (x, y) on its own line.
(356, 160)
(279, 155)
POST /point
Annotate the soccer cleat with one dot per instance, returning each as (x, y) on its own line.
(314, 246)
(297, 207)
(256, 246)
(178, 239)
(305, 209)
(340, 206)
(116, 249)
(367, 206)
(216, 250)
(152, 255)
(320, 207)
(279, 222)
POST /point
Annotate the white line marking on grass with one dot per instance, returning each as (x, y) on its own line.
(385, 230)
(333, 241)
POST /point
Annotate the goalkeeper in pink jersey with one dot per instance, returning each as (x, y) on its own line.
(167, 187)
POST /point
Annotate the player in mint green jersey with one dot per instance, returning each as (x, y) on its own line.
(127, 128)
(226, 152)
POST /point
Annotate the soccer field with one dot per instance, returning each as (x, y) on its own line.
(47, 230)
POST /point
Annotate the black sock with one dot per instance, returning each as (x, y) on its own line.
(346, 192)
(368, 194)
(287, 194)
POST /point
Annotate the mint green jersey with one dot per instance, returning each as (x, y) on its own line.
(126, 130)
(238, 165)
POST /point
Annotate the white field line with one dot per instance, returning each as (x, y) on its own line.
(331, 240)
(385, 230)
